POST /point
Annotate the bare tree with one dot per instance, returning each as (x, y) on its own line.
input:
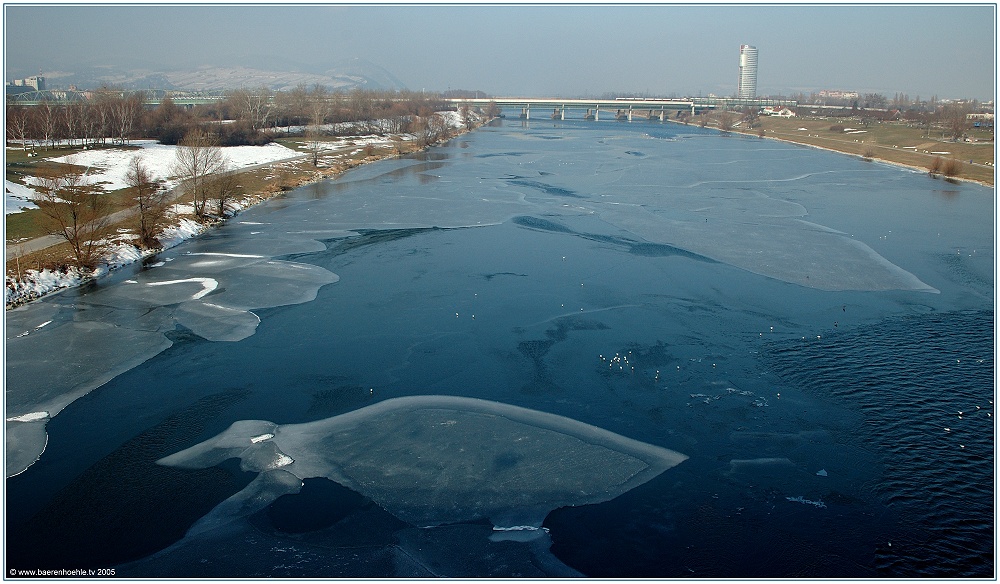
(90, 123)
(46, 120)
(956, 119)
(198, 158)
(935, 166)
(253, 105)
(104, 99)
(225, 185)
(151, 201)
(952, 167)
(18, 120)
(319, 109)
(874, 100)
(726, 120)
(751, 117)
(430, 129)
(468, 117)
(292, 106)
(77, 212)
(125, 111)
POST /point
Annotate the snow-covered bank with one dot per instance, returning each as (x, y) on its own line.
(108, 167)
(37, 283)
(17, 197)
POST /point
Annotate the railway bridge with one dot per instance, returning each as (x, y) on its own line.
(620, 108)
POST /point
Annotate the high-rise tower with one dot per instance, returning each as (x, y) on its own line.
(746, 87)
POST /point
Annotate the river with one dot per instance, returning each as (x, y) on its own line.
(809, 334)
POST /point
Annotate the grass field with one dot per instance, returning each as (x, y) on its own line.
(894, 142)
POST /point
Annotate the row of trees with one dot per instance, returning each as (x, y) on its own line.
(109, 115)
(245, 116)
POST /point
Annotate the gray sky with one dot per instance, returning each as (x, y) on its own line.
(556, 50)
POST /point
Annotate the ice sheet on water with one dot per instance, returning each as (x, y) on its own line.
(432, 460)
(739, 217)
(784, 248)
(116, 327)
(89, 354)
(212, 293)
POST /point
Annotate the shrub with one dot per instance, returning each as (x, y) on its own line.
(836, 128)
(935, 166)
(952, 167)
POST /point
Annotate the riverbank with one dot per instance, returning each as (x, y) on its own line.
(895, 144)
(24, 283)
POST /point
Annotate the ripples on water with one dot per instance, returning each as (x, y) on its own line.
(924, 385)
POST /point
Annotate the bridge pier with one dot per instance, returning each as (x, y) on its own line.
(526, 113)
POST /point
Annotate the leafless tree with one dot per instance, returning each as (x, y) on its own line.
(956, 119)
(90, 123)
(751, 117)
(47, 120)
(726, 120)
(431, 130)
(253, 105)
(198, 158)
(226, 187)
(126, 110)
(952, 167)
(289, 107)
(104, 99)
(319, 109)
(151, 202)
(874, 100)
(934, 168)
(361, 104)
(468, 118)
(77, 212)
(17, 124)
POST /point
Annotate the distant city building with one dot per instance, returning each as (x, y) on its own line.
(778, 111)
(746, 87)
(828, 94)
(36, 83)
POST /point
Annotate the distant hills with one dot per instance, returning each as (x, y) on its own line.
(341, 75)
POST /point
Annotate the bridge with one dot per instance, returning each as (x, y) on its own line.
(152, 97)
(620, 108)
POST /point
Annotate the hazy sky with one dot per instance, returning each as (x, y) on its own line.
(554, 50)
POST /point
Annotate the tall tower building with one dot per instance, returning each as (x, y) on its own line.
(746, 87)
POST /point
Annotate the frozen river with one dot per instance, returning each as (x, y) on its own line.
(543, 349)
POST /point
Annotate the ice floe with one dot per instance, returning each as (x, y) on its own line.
(433, 460)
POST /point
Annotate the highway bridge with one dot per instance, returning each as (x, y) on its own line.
(620, 108)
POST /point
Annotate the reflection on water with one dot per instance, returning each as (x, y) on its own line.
(745, 302)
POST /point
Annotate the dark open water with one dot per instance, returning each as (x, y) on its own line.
(816, 334)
